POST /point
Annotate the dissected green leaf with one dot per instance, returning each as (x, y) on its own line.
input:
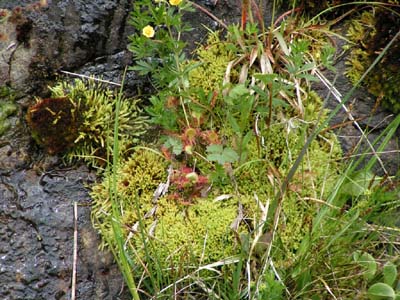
(221, 155)
(230, 155)
(175, 144)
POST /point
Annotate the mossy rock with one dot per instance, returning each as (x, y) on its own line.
(81, 116)
(178, 234)
(371, 32)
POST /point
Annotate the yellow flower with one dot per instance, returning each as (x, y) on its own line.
(148, 31)
(175, 2)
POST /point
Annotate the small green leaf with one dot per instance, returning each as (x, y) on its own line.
(260, 91)
(216, 157)
(308, 77)
(282, 43)
(221, 155)
(237, 91)
(175, 144)
(215, 153)
(368, 264)
(276, 102)
(381, 291)
(389, 273)
(233, 123)
(215, 148)
(230, 155)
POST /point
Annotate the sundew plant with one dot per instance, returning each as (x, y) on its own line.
(245, 192)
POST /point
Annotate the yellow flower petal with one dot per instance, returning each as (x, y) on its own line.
(148, 31)
(175, 2)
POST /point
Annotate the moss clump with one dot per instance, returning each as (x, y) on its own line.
(196, 230)
(81, 117)
(370, 33)
(138, 178)
(213, 58)
(201, 231)
(7, 109)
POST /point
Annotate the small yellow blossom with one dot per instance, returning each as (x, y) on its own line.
(175, 2)
(148, 31)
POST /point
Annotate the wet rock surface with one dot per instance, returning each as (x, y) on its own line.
(36, 229)
(37, 193)
(371, 118)
(36, 190)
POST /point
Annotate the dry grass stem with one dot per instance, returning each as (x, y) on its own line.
(75, 252)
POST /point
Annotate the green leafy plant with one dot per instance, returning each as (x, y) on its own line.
(383, 283)
(221, 155)
(158, 46)
(245, 195)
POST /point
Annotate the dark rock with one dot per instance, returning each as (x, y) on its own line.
(36, 192)
(36, 229)
(372, 119)
(64, 35)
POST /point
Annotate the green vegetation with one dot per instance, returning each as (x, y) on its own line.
(245, 194)
(7, 109)
(368, 34)
(82, 116)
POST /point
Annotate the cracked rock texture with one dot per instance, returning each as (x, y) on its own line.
(37, 191)
(39, 41)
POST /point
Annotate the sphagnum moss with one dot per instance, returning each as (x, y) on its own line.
(213, 58)
(138, 178)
